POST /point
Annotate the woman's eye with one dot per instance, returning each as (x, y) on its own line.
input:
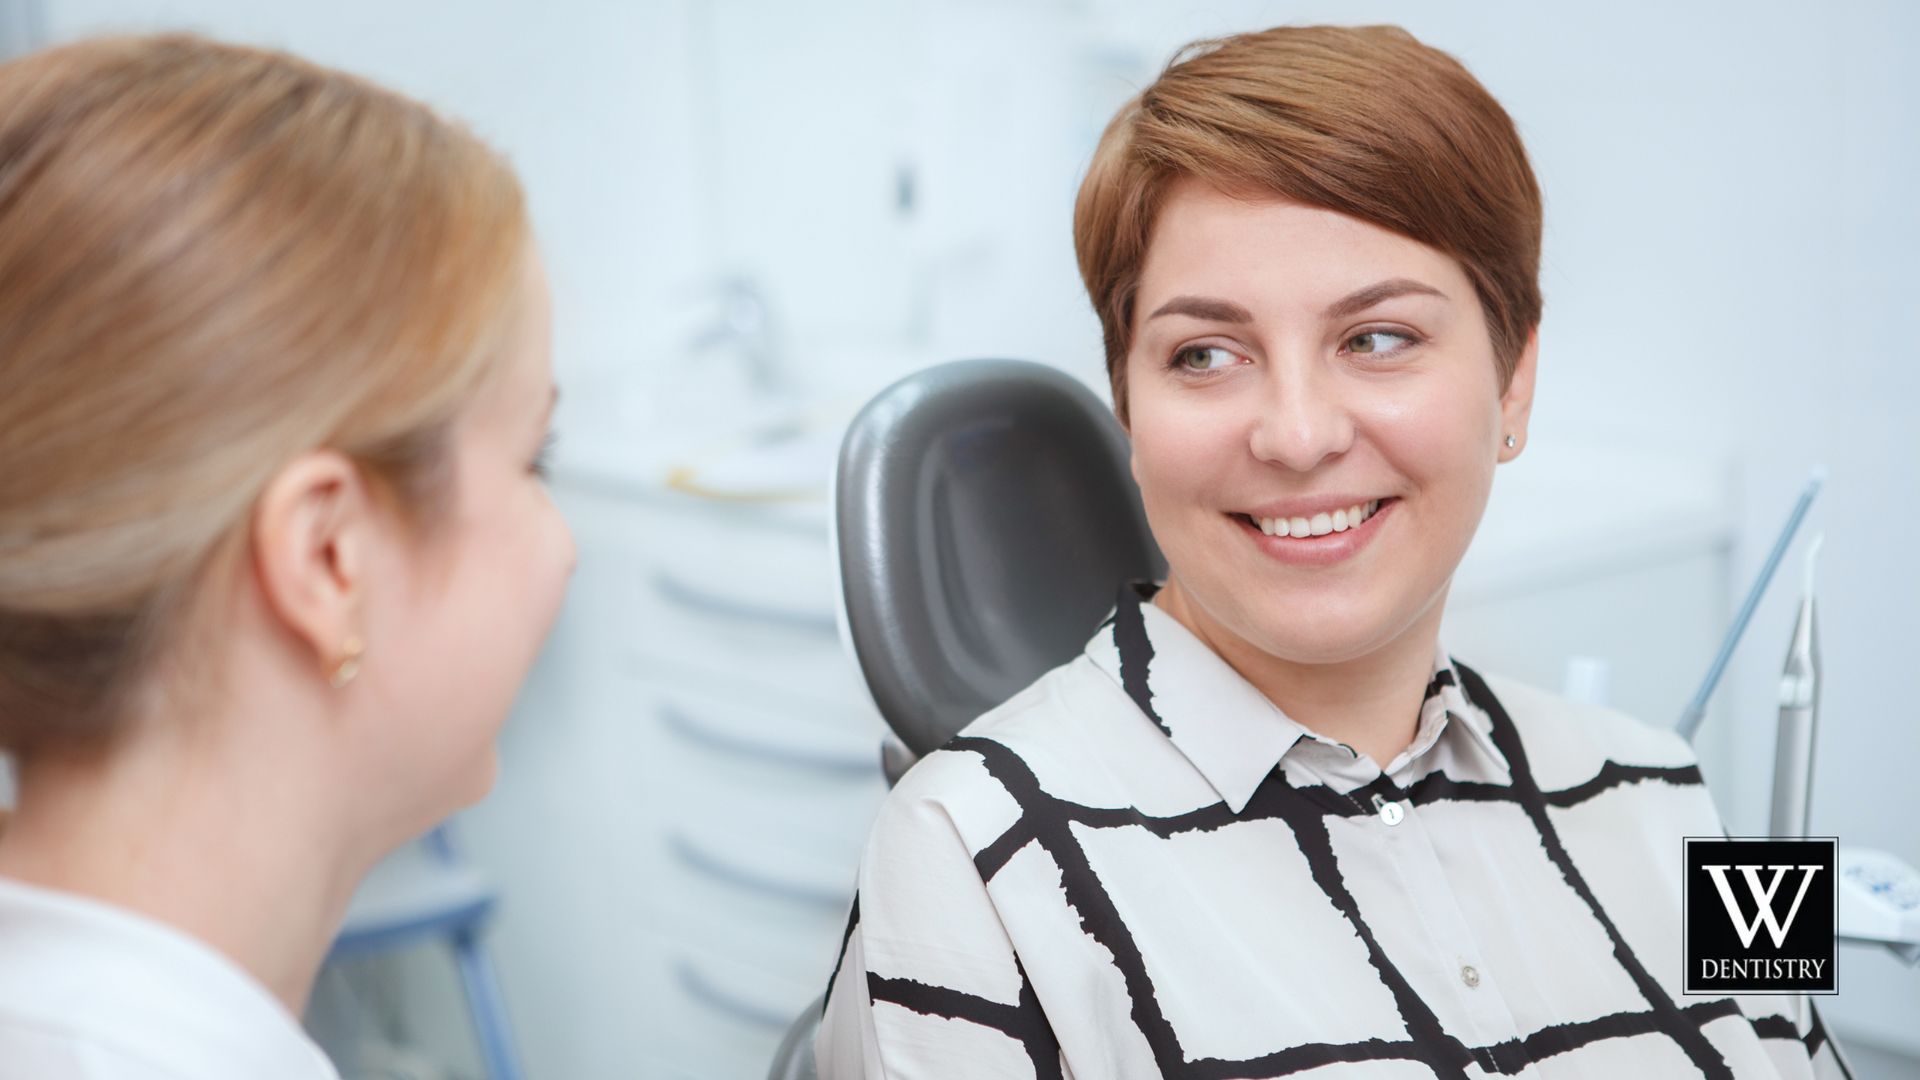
(1205, 358)
(1376, 341)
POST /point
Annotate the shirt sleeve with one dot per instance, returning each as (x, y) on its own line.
(928, 984)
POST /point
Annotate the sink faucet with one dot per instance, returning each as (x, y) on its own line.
(744, 326)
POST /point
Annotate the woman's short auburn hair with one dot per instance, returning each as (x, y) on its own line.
(213, 259)
(1364, 121)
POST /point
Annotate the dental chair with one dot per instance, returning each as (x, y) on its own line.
(985, 517)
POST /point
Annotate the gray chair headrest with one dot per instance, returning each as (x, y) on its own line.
(986, 518)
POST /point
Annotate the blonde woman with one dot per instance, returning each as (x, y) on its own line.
(275, 552)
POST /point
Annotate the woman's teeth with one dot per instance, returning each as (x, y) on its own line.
(1319, 524)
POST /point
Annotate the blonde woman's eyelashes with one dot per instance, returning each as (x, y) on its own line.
(542, 464)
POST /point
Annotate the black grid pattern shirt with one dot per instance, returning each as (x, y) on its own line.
(1140, 867)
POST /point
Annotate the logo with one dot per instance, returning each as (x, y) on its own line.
(1759, 916)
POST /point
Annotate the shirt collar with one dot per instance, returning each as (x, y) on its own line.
(1225, 727)
(92, 973)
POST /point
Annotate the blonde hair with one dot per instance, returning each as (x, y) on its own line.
(213, 259)
(1364, 121)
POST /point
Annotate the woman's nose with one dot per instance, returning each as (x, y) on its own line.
(1302, 421)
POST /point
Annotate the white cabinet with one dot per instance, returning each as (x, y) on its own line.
(685, 787)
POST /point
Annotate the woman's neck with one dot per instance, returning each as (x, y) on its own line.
(252, 861)
(1371, 702)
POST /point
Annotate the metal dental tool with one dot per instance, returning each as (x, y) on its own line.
(1799, 710)
(1696, 710)
(1878, 896)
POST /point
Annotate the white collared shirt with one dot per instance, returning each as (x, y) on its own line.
(1141, 867)
(90, 991)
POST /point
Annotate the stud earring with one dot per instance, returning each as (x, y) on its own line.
(350, 652)
(1509, 442)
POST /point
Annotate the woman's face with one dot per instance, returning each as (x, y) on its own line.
(484, 587)
(1289, 365)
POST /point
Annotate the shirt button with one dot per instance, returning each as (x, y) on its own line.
(1390, 812)
(1470, 976)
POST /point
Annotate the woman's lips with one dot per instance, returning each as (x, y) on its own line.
(1318, 548)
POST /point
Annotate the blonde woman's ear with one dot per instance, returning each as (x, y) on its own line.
(314, 532)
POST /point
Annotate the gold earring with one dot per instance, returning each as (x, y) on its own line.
(350, 652)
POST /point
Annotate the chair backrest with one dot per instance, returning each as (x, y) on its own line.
(986, 517)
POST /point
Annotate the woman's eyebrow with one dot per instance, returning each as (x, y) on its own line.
(1205, 307)
(1356, 302)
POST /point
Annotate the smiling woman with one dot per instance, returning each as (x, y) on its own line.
(1266, 824)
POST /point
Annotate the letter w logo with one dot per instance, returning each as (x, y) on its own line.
(1762, 898)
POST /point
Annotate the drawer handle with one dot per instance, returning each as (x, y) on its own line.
(723, 869)
(701, 989)
(706, 603)
(695, 730)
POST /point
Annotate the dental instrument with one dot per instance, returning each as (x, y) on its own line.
(1877, 894)
(1696, 709)
(1799, 711)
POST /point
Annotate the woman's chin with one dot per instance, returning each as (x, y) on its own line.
(1309, 629)
(479, 778)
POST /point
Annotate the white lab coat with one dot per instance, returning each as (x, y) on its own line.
(90, 991)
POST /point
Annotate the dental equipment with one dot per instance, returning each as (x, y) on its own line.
(1799, 711)
(1696, 709)
(1879, 902)
(1878, 895)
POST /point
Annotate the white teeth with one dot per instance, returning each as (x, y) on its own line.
(1319, 524)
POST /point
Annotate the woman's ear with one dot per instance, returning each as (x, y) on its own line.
(314, 530)
(1516, 405)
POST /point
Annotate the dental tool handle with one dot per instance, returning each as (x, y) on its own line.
(1792, 779)
(1696, 709)
(1799, 716)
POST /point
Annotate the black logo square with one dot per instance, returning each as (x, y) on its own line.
(1759, 916)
